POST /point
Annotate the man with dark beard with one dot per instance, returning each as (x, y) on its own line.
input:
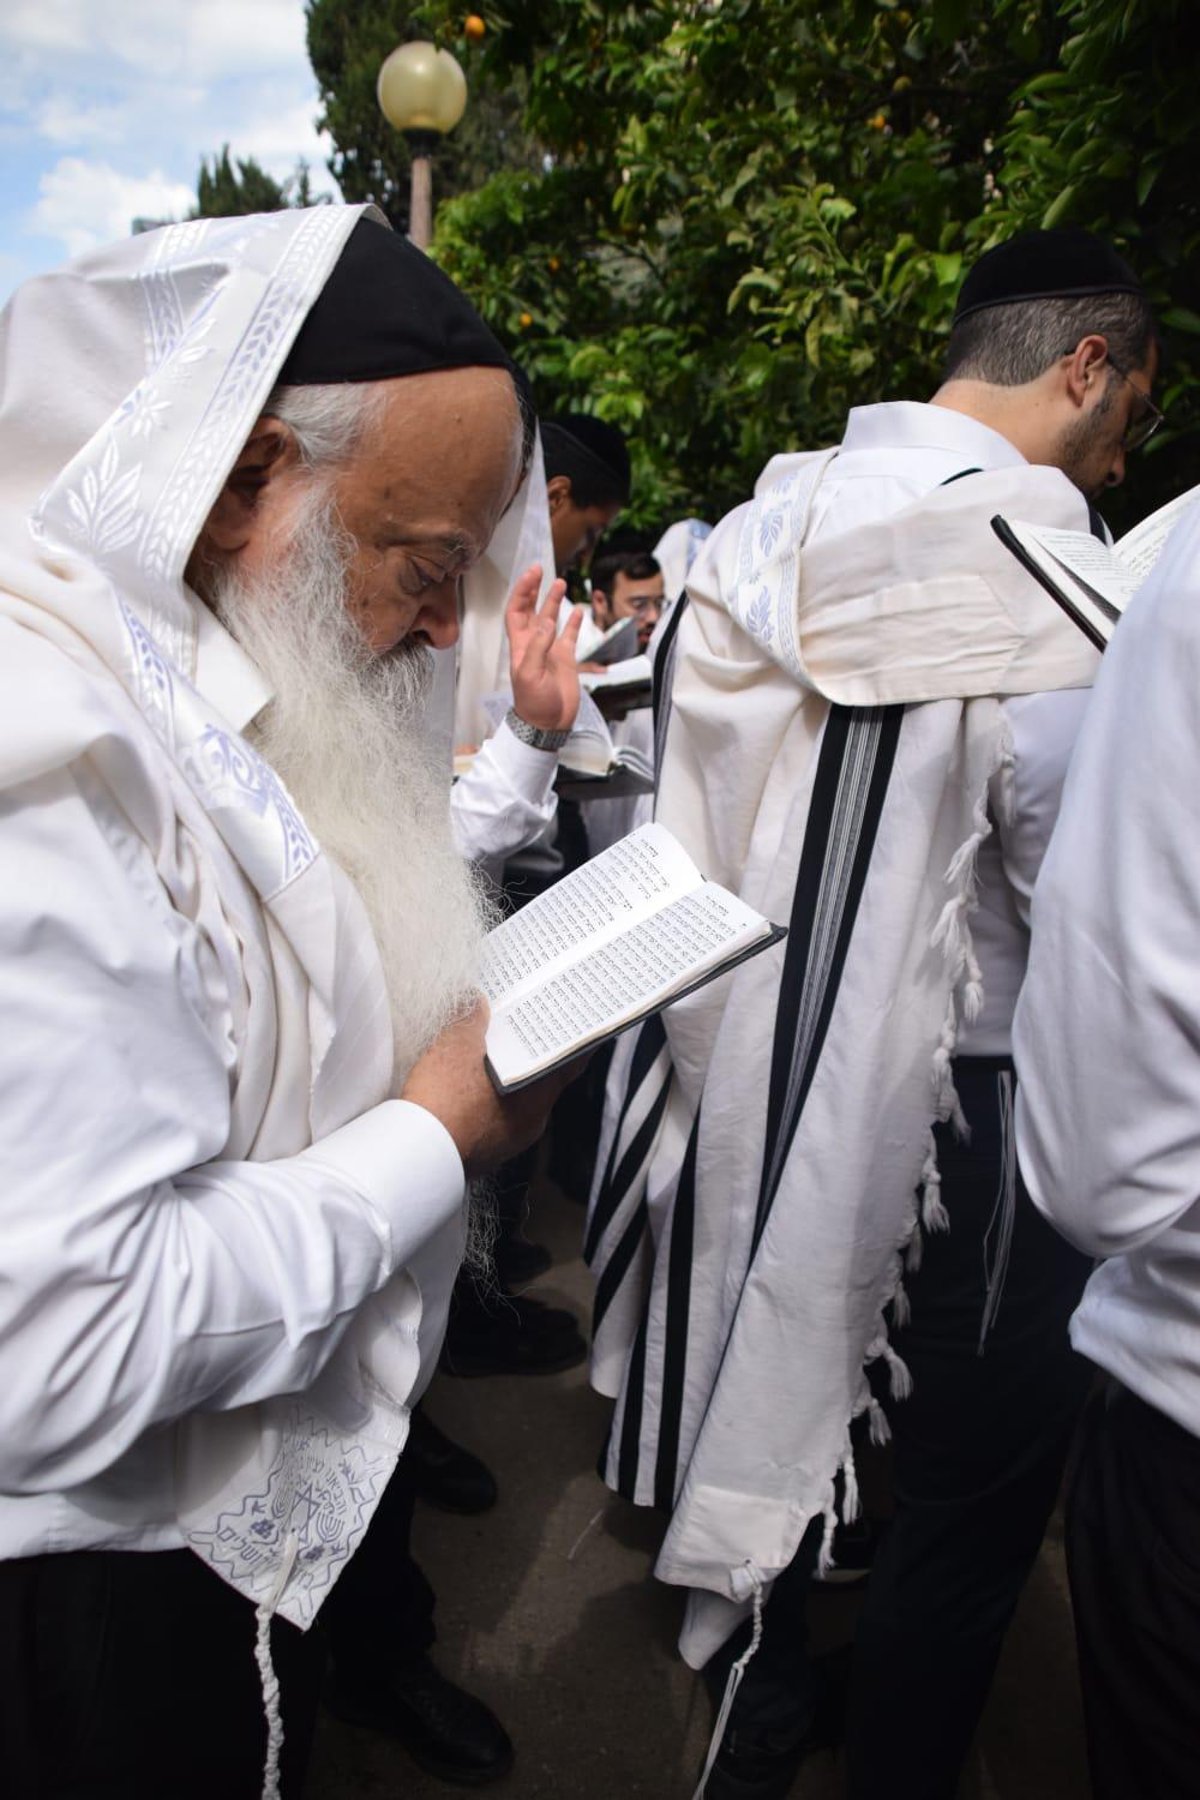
(245, 465)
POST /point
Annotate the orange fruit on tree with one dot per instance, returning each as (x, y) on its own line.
(474, 27)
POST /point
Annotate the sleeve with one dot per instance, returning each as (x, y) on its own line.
(145, 1277)
(504, 802)
(1107, 1031)
(1043, 729)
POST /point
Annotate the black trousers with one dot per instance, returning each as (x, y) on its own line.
(128, 1676)
(1133, 1555)
(380, 1614)
(979, 1450)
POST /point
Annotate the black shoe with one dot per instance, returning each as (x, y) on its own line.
(518, 1336)
(447, 1732)
(519, 1262)
(762, 1763)
(442, 1473)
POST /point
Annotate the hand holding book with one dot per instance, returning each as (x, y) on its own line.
(625, 935)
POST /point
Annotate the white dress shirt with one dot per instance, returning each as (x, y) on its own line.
(504, 802)
(151, 1270)
(1108, 1026)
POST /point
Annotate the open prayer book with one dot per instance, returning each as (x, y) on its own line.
(592, 767)
(615, 644)
(1093, 582)
(629, 683)
(617, 940)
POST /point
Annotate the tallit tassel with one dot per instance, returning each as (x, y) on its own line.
(734, 1682)
(934, 1216)
(266, 1670)
(880, 1430)
(915, 1247)
(900, 1382)
(825, 1556)
(901, 1310)
(1004, 1213)
(851, 1502)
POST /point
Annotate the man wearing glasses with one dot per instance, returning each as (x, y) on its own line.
(1050, 363)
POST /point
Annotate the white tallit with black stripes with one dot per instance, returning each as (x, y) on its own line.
(834, 723)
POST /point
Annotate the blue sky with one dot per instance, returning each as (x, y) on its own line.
(107, 106)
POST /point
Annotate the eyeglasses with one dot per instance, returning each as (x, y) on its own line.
(1145, 421)
(647, 603)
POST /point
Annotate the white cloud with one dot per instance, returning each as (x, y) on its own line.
(196, 39)
(86, 204)
(62, 121)
(107, 109)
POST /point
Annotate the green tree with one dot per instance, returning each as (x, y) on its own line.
(347, 42)
(756, 214)
(1107, 138)
(224, 191)
(745, 217)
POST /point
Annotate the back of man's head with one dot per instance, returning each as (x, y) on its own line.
(1030, 300)
(592, 454)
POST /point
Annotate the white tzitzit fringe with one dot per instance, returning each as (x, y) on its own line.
(266, 1670)
(734, 1683)
(1003, 1219)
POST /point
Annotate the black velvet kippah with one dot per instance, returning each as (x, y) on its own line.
(387, 310)
(581, 435)
(1045, 265)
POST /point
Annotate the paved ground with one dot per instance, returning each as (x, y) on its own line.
(547, 1611)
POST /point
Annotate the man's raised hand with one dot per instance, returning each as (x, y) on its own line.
(545, 675)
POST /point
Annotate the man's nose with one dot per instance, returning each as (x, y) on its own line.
(438, 617)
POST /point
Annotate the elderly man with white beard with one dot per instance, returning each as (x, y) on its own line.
(245, 464)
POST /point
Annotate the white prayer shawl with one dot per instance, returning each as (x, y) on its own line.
(843, 698)
(131, 379)
(522, 537)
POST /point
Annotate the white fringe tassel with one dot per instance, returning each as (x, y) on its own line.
(734, 1683)
(1003, 1219)
(266, 1670)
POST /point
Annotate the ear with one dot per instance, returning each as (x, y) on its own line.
(269, 454)
(1086, 366)
(601, 610)
(558, 492)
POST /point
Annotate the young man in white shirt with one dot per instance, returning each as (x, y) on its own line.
(1108, 1126)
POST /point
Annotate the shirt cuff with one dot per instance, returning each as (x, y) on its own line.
(405, 1165)
(531, 771)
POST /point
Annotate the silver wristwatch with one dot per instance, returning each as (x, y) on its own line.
(533, 735)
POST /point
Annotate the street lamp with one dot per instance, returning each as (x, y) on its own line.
(423, 93)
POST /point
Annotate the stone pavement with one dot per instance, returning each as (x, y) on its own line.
(546, 1610)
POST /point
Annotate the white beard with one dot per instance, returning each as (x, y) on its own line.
(346, 731)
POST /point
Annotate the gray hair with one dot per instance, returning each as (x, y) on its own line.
(1019, 340)
(329, 419)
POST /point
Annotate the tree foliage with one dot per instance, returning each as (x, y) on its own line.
(348, 41)
(749, 216)
(224, 191)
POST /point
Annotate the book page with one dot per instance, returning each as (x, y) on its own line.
(590, 749)
(625, 884)
(621, 980)
(1140, 548)
(1088, 560)
(634, 671)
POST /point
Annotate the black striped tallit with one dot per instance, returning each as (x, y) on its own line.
(854, 766)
